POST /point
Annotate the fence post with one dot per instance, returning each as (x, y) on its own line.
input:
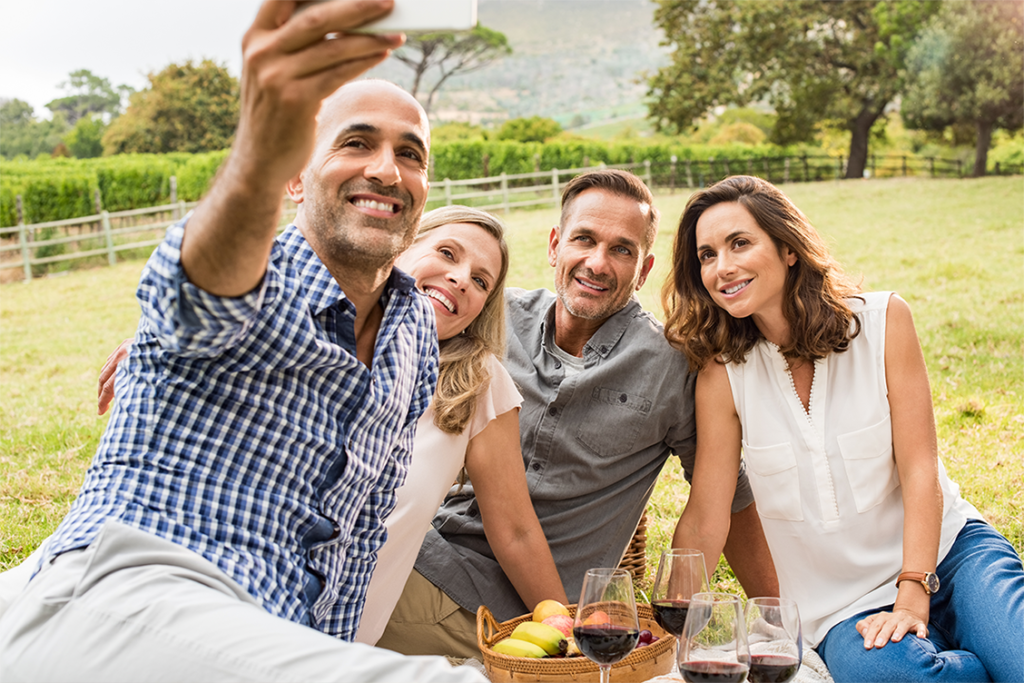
(997, 168)
(725, 162)
(904, 165)
(23, 239)
(536, 163)
(504, 193)
(750, 166)
(689, 175)
(447, 191)
(767, 171)
(931, 166)
(839, 168)
(586, 161)
(174, 198)
(111, 254)
(959, 168)
(97, 202)
(487, 165)
(672, 174)
(806, 176)
(785, 172)
(556, 192)
(647, 173)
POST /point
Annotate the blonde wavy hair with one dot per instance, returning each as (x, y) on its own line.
(464, 373)
(814, 295)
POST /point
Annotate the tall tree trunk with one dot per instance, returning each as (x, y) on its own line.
(860, 130)
(981, 151)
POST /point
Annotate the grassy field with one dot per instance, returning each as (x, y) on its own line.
(954, 249)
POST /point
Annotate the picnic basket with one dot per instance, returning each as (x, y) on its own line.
(642, 664)
(634, 560)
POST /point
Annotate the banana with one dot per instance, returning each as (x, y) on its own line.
(518, 648)
(548, 638)
(573, 649)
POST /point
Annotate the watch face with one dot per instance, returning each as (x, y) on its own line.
(932, 582)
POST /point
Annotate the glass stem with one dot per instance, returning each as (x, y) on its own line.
(606, 673)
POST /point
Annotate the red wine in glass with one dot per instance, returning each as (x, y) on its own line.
(605, 644)
(713, 672)
(671, 615)
(773, 668)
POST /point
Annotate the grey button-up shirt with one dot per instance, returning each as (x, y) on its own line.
(593, 444)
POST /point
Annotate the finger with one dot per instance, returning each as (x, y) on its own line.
(328, 54)
(273, 13)
(312, 24)
(106, 395)
(884, 634)
(329, 80)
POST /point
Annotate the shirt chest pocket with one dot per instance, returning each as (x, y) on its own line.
(869, 463)
(612, 421)
(775, 480)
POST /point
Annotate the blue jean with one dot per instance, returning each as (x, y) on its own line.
(975, 630)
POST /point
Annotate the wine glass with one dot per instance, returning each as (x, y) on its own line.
(714, 643)
(681, 573)
(776, 640)
(606, 628)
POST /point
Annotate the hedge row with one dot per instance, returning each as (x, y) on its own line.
(65, 188)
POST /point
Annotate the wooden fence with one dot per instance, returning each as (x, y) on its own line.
(103, 237)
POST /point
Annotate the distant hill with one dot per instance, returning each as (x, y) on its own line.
(573, 60)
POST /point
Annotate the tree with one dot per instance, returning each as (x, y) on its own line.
(89, 94)
(532, 129)
(186, 108)
(450, 53)
(85, 139)
(812, 60)
(967, 67)
(23, 134)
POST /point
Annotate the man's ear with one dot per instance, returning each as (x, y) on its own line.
(295, 189)
(645, 270)
(553, 246)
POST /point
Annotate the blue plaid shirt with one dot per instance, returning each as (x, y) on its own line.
(247, 431)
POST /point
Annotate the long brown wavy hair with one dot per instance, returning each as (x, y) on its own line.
(463, 372)
(814, 299)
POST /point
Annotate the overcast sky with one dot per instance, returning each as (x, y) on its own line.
(121, 40)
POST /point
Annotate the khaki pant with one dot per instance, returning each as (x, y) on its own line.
(134, 607)
(427, 621)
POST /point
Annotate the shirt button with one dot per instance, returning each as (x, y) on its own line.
(557, 365)
(535, 466)
(622, 398)
(552, 411)
(604, 349)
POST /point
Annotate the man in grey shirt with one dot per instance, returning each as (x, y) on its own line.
(606, 401)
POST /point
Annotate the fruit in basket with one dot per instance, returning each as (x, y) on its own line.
(597, 618)
(519, 648)
(573, 650)
(548, 638)
(547, 608)
(561, 622)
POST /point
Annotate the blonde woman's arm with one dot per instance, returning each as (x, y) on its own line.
(915, 448)
(494, 463)
(705, 521)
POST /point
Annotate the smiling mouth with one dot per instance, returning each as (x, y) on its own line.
(374, 205)
(736, 288)
(591, 286)
(442, 299)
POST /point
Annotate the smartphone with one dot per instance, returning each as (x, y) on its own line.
(421, 15)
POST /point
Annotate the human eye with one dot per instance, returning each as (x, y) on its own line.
(411, 154)
(740, 242)
(625, 251)
(354, 143)
(705, 255)
(482, 283)
(448, 253)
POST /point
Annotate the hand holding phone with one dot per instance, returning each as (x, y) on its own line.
(420, 15)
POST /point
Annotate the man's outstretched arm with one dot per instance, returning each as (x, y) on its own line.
(289, 66)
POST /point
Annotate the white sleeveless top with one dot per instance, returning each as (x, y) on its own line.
(437, 458)
(825, 481)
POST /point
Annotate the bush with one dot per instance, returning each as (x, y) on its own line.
(134, 181)
(196, 174)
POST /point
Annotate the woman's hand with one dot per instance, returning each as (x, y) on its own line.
(106, 388)
(881, 627)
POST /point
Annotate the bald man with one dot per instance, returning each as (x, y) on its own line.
(229, 523)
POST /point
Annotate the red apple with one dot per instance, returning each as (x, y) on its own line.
(560, 621)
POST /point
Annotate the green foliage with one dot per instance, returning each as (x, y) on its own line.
(85, 139)
(196, 174)
(456, 130)
(532, 129)
(450, 53)
(967, 68)
(133, 181)
(51, 197)
(88, 94)
(24, 135)
(810, 59)
(187, 108)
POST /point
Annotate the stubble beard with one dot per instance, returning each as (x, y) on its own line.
(352, 239)
(589, 309)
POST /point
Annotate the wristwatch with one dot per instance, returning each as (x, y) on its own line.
(926, 579)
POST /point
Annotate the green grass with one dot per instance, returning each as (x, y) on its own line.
(954, 249)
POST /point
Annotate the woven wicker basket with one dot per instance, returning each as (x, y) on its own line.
(642, 664)
(634, 560)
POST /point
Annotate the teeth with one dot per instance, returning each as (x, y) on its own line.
(733, 290)
(590, 285)
(378, 206)
(445, 301)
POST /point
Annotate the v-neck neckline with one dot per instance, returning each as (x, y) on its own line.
(812, 414)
